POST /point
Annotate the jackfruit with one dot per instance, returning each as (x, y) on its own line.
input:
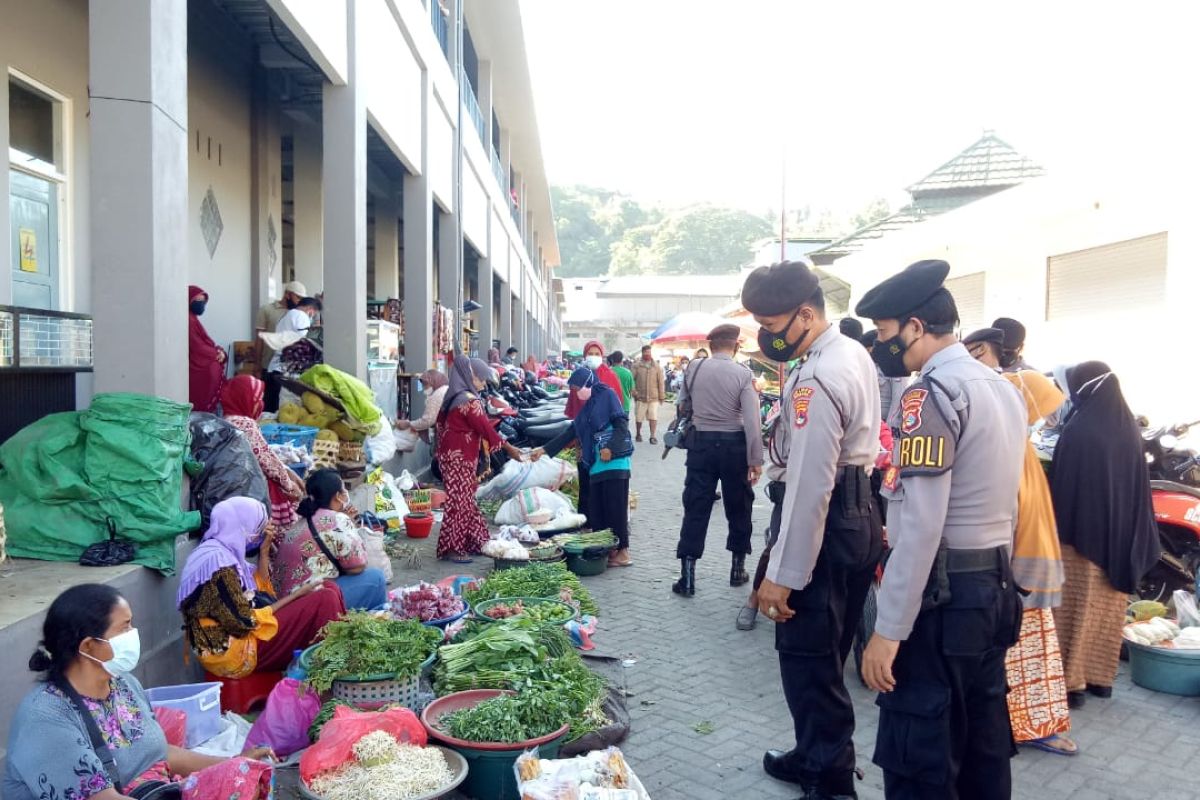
(1147, 609)
(327, 436)
(342, 430)
(312, 403)
(290, 414)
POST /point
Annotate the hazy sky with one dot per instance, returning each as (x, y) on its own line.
(691, 100)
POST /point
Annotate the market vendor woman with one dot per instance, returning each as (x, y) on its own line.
(88, 648)
(230, 619)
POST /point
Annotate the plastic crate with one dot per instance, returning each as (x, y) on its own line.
(299, 435)
(200, 701)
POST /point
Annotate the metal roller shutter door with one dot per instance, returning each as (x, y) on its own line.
(1125, 275)
(968, 296)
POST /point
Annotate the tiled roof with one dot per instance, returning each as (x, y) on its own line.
(990, 163)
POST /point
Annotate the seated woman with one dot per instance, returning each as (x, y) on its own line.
(89, 646)
(602, 430)
(242, 403)
(325, 545)
(230, 618)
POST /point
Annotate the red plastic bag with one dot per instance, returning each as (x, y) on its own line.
(173, 721)
(283, 724)
(342, 732)
(236, 777)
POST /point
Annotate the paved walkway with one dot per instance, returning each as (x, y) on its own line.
(690, 671)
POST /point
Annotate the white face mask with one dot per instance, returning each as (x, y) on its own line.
(594, 362)
(428, 391)
(127, 651)
(584, 393)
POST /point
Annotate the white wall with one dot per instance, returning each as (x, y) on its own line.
(219, 112)
(474, 205)
(392, 81)
(441, 155)
(321, 27)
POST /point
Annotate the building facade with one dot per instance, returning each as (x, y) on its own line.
(373, 149)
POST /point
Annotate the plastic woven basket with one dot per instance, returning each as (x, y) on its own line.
(373, 692)
(299, 435)
(350, 452)
(325, 453)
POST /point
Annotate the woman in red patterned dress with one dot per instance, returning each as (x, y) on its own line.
(242, 403)
(462, 428)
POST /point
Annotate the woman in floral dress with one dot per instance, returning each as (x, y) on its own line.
(462, 429)
(88, 649)
(242, 402)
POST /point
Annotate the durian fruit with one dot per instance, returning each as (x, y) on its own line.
(312, 403)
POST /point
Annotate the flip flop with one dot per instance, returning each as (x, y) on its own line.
(462, 559)
(653, 440)
(628, 563)
(1048, 745)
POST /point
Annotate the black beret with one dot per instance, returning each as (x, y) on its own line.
(1014, 332)
(727, 332)
(851, 327)
(903, 292)
(993, 335)
(778, 288)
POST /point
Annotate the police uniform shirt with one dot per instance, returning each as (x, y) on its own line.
(724, 400)
(829, 419)
(956, 467)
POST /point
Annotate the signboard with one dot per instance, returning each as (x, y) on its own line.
(28, 243)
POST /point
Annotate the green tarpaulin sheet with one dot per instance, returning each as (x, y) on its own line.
(63, 478)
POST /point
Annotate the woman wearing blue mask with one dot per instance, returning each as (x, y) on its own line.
(88, 649)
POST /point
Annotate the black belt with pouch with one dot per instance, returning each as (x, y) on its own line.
(947, 562)
(852, 539)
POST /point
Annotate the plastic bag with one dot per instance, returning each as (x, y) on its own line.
(406, 481)
(231, 741)
(406, 441)
(109, 553)
(376, 554)
(173, 721)
(230, 466)
(1186, 609)
(342, 732)
(546, 473)
(238, 777)
(380, 447)
(283, 724)
(535, 506)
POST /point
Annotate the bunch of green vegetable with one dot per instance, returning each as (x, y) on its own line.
(604, 538)
(323, 716)
(509, 718)
(497, 655)
(361, 644)
(533, 580)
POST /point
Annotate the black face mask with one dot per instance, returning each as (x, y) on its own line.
(290, 303)
(1008, 358)
(198, 306)
(775, 346)
(889, 356)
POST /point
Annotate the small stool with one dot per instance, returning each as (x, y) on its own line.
(240, 695)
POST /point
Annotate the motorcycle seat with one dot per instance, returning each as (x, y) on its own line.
(1172, 486)
(540, 434)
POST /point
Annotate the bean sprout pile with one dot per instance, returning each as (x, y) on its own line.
(384, 769)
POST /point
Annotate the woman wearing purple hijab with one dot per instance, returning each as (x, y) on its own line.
(231, 620)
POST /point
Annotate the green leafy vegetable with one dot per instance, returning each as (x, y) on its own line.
(533, 580)
(361, 644)
(510, 718)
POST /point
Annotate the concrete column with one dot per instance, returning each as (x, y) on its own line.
(6, 291)
(266, 210)
(504, 330)
(449, 276)
(137, 73)
(484, 92)
(387, 247)
(308, 208)
(418, 256)
(344, 181)
(484, 315)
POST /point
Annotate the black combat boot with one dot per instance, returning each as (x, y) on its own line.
(737, 573)
(686, 585)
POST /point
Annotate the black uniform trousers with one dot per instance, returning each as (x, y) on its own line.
(813, 646)
(944, 731)
(716, 456)
(271, 391)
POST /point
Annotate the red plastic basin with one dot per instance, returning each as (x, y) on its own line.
(418, 525)
(433, 713)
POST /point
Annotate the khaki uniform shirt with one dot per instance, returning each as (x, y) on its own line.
(956, 469)
(829, 419)
(723, 399)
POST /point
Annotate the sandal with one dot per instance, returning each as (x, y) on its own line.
(616, 560)
(653, 440)
(1057, 744)
(639, 438)
(461, 558)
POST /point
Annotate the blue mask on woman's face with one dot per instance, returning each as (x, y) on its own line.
(197, 307)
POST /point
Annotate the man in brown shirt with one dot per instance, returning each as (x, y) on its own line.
(649, 389)
(728, 448)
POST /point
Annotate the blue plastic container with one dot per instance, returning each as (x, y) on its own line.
(1162, 669)
(298, 435)
(200, 701)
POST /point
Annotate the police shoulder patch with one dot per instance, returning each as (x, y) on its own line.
(801, 396)
(927, 443)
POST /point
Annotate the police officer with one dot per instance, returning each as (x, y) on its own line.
(829, 539)
(948, 607)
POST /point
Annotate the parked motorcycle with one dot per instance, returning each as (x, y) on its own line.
(1175, 491)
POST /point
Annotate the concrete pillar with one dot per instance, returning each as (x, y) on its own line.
(484, 314)
(387, 247)
(344, 181)
(308, 206)
(137, 73)
(418, 256)
(504, 330)
(6, 251)
(449, 276)
(266, 210)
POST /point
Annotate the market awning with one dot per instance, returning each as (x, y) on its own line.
(690, 326)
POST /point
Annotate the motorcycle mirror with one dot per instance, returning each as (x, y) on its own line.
(1168, 442)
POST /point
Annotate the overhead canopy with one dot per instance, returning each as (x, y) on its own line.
(690, 326)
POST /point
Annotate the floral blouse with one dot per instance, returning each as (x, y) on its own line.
(297, 558)
(50, 756)
(274, 469)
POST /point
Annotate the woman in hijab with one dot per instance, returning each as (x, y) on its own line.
(1037, 699)
(206, 361)
(593, 359)
(434, 384)
(1102, 505)
(601, 429)
(493, 356)
(231, 621)
(326, 545)
(463, 430)
(242, 403)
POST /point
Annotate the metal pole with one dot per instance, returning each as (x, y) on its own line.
(459, 255)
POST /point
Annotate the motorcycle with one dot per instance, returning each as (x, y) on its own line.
(1175, 492)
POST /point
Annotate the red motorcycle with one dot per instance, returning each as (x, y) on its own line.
(1175, 491)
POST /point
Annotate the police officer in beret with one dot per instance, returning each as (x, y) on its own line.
(948, 606)
(829, 537)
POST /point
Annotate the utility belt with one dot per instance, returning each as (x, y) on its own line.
(853, 535)
(950, 561)
(721, 436)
